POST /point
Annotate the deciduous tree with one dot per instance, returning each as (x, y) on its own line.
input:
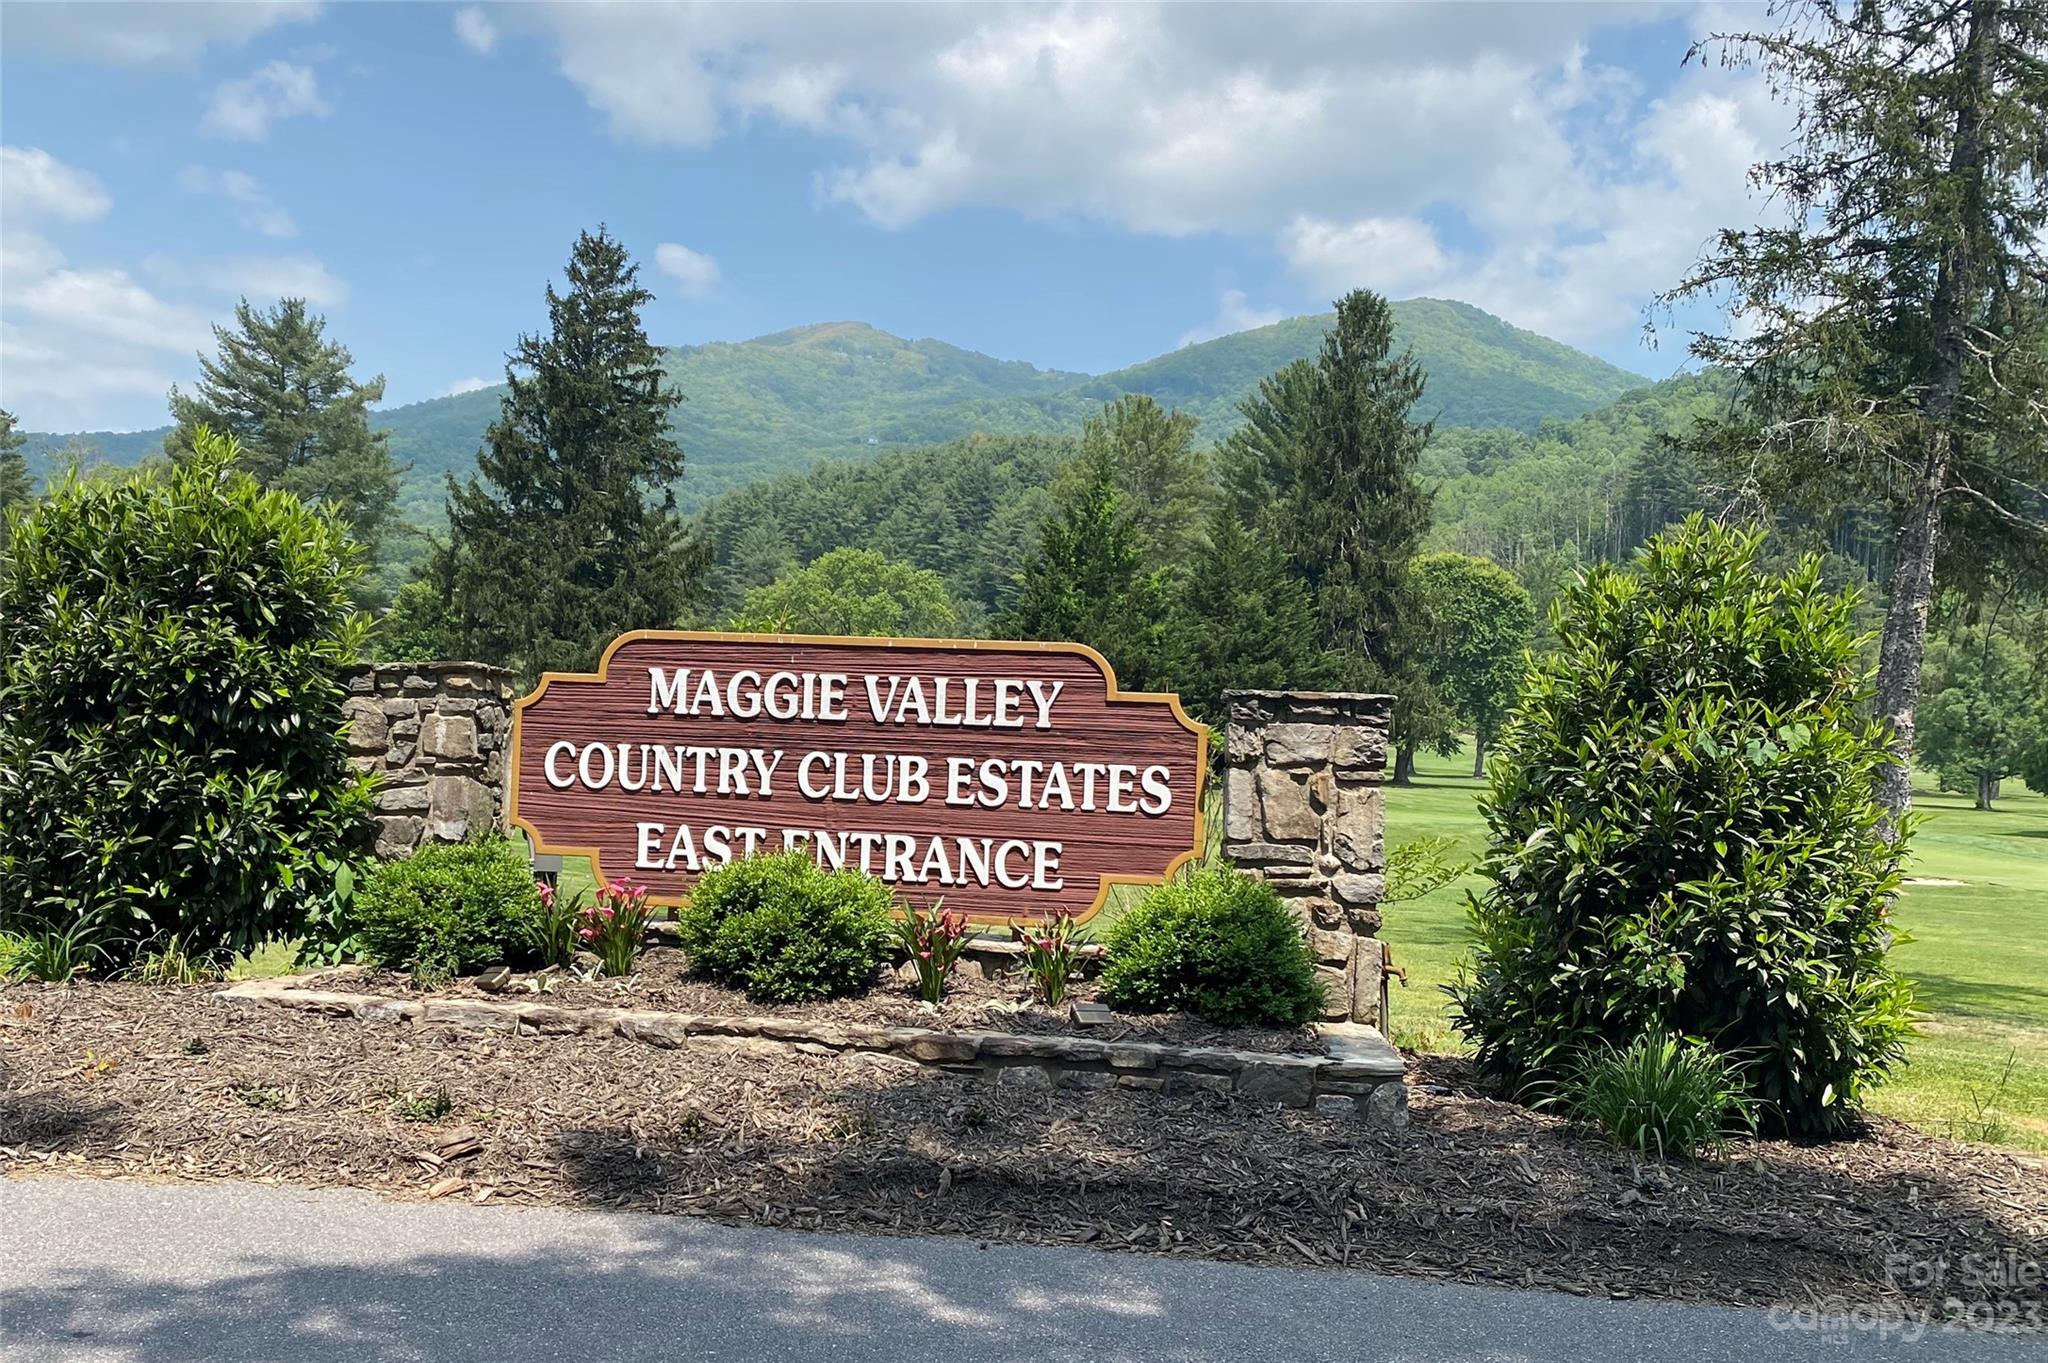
(1479, 619)
(852, 591)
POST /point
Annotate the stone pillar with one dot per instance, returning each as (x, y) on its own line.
(438, 735)
(1302, 808)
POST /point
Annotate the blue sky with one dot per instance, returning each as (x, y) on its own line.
(1077, 186)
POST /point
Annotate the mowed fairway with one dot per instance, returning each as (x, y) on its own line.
(1979, 954)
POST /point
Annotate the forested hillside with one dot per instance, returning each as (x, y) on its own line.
(778, 404)
(1593, 487)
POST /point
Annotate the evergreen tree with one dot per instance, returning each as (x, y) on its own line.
(571, 536)
(1889, 334)
(1162, 478)
(1088, 581)
(1326, 465)
(15, 487)
(1241, 621)
(284, 392)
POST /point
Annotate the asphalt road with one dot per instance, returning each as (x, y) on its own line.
(97, 1270)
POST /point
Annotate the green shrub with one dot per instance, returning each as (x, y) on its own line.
(1660, 1096)
(1216, 943)
(784, 930)
(171, 759)
(451, 909)
(51, 955)
(1682, 837)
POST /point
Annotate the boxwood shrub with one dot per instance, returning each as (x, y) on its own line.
(450, 909)
(171, 759)
(785, 930)
(1216, 943)
(1683, 839)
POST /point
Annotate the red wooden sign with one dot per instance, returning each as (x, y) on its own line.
(1011, 780)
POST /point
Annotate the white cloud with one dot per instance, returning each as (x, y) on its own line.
(255, 209)
(475, 29)
(1234, 313)
(24, 256)
(1473, 151)
(243, 110)
(695, 273)
(260, 279)
(107, 303)
(1394, 256)
(461, 386)
(146, 31)
(34, 182)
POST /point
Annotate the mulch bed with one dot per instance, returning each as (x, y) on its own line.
(124, 1079)
(662, 980)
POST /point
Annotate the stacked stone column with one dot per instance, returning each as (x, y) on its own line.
(438, 736)
(1303, 809)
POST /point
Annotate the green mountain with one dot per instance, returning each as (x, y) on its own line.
(781, 403)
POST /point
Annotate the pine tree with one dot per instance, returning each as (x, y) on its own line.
(1088, 581)
(1326, 465)
(571, 536)
(1891, 344)
(284, 391)
(16, 489)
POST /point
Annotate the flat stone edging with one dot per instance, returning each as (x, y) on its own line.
(1361, 1077)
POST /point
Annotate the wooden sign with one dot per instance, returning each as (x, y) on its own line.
(1010, 780)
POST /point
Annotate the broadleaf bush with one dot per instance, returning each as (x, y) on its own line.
(785, 930)
(1216, 943)
(451, 909)
(171, 756)
(1683, 836)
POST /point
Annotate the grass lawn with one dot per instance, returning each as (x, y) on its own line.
(1979, 954)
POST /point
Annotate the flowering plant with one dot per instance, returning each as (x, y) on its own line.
(612, 927)
(560, 917)
(1052, 951)
(934, 940)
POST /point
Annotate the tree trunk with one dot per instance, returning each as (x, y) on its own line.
(1478, 756)
(1919, 533)
(1987, 789)
(1404, 766)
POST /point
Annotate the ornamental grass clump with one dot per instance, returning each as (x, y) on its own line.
(933, 941)
(1216, 943)
(1683, 837)
(613, 926)
(1661, 1097)
(786, 931)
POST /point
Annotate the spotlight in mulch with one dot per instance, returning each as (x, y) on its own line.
(1091, 1014)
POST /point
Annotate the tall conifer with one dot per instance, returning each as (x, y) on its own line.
(571, 535)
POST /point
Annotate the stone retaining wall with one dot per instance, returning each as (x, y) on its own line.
(437, 735)
(1302, 808)
(1360, 1077)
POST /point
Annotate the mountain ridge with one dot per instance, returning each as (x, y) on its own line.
(786, 400)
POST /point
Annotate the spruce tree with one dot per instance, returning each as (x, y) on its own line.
(1326, 465)
(1241, 621)
(571, 535)
(1162, 478)
(284, 392)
